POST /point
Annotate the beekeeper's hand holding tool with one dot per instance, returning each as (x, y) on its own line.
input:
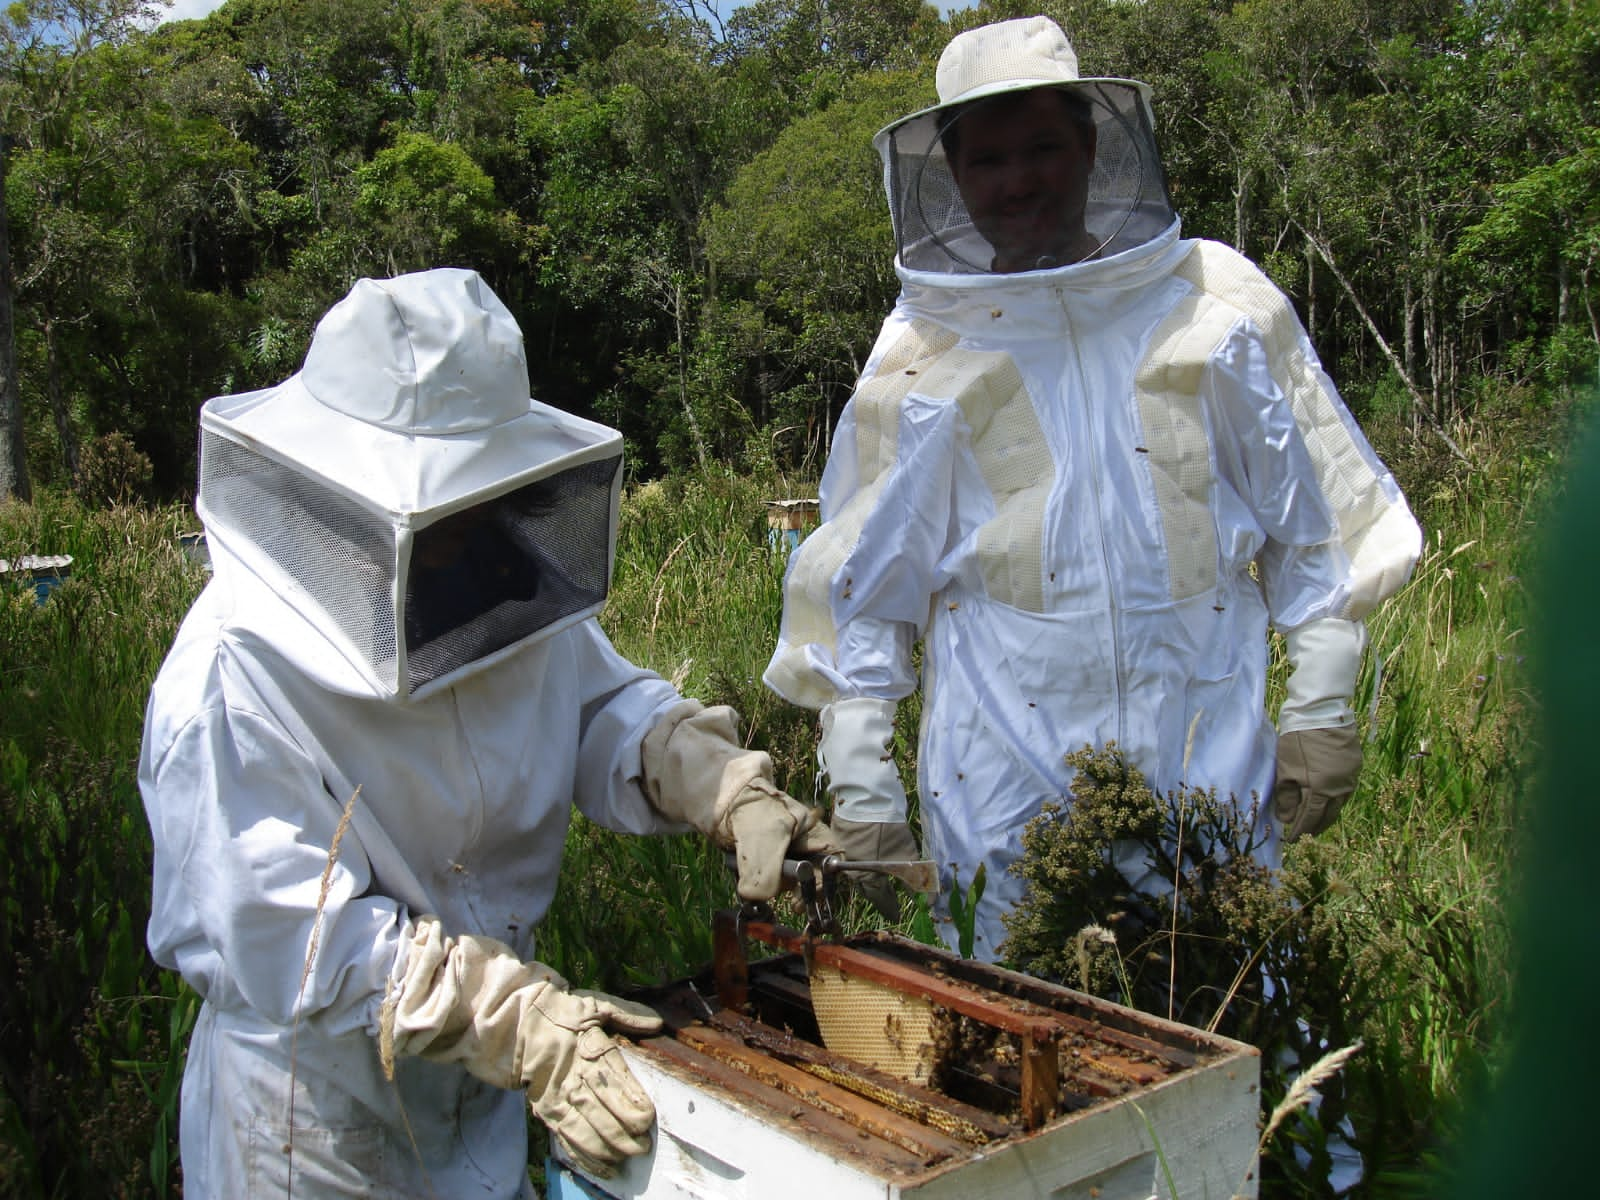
(516, 1024)
(696, 771)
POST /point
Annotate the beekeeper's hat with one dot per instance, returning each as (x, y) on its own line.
(412, 407)
(1007, 56)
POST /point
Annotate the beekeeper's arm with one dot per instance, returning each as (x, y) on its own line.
(514, 1024)
(648, 757)
(264, 898)
(857, 593)
(1306, 575)
(696, 771)
(1319, 741)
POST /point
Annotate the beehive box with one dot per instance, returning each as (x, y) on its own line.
(750, 1103)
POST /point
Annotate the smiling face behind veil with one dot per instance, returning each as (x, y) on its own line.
(1023, 165)
(1021, 162)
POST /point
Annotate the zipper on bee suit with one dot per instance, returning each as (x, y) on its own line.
(1099, 519)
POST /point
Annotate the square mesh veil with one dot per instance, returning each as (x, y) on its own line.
(489, 576)
(340, 553)
(479, 580)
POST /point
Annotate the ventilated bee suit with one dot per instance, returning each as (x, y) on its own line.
(1087, 483)
(361, 756)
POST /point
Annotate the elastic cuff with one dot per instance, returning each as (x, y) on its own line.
(858, 804)
(857, 754)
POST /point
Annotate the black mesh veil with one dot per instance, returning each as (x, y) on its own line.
(491, 575)
(1128, 202)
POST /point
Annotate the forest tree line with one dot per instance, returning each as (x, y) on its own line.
(686, 215)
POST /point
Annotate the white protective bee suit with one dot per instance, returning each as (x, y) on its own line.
(361, 756)
(1087, 485)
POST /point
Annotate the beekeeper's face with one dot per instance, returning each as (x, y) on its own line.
(1022, 163)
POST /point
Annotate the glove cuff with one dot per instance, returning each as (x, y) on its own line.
(856, 752)
(694, 767)
(460, 1000)
(1324, 657)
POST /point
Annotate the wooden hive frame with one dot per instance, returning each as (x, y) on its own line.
(1098, 1101)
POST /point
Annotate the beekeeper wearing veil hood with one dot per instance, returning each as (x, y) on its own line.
(361, 756)
(1088, 463)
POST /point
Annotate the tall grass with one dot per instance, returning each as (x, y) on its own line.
(1422, 861)
(91, 1032)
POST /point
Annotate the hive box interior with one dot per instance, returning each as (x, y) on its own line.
(1032, 1090)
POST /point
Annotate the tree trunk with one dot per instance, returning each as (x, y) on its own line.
(683, 376)
(67, 436)
(13, 449)
(1241, 193)
(1588, 305)
(1564, 287)
(1436, 347)
(1311, 291)
(1408, 345)
(1429, 349)
(1388, 352)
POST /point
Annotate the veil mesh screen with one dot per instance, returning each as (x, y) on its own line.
(341, 554)
(1128, 201)
(479, 580)
(489, 576)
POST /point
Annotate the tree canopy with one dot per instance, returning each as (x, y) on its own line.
(686, 214)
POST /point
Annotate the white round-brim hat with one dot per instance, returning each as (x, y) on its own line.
(1007, 56)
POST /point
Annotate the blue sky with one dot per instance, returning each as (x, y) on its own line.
(184, 10)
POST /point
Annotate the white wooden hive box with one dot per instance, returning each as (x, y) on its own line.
(751, 1105)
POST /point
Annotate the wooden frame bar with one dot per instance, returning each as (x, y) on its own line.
(1038, 1028)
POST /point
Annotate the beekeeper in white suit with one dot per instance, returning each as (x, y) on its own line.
(1078, 443)
(361, 755)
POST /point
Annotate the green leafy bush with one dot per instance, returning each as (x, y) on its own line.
(1208, 937)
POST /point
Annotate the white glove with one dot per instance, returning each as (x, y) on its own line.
(1324, 659)
(695, 771)
(1319, 746)
(513, 1024)
(857, 753)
